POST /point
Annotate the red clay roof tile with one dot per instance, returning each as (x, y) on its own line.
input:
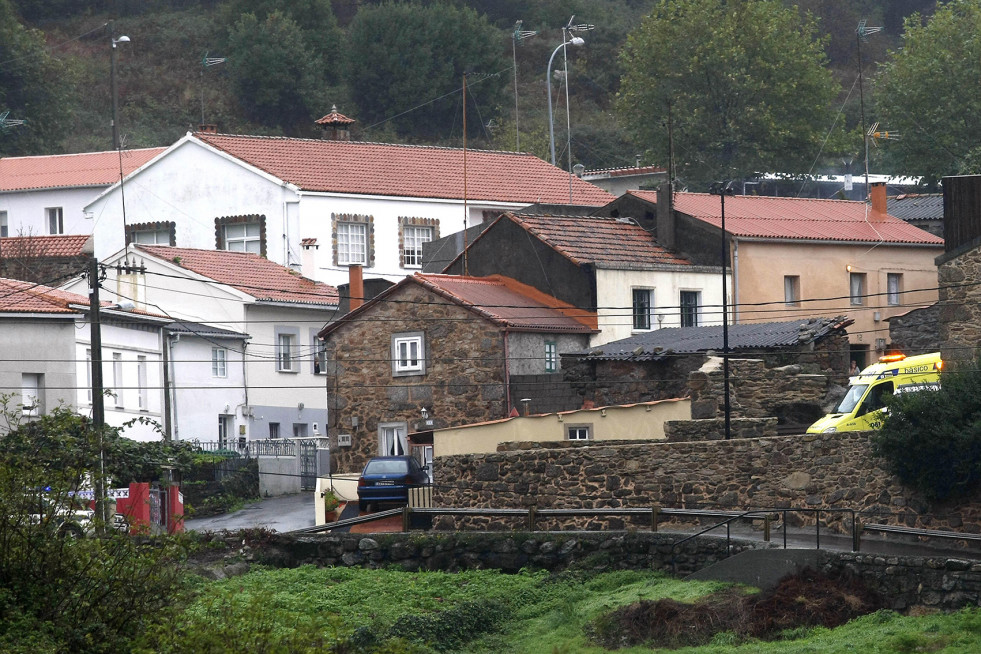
(249, 273)
(70, 170)
(24, 297)
(408, 170)
(68, 245)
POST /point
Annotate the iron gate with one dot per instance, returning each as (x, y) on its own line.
(308, 464)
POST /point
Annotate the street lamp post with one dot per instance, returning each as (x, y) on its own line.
(112, 81)
(576, 40)
(722, 190)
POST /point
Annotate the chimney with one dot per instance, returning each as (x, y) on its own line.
(356, 286)
(336, 126)
(878, 196)
(665, 215)
(208, 128)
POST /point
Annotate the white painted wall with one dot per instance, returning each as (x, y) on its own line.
(26, 215)
(615, 298)
(199, 396)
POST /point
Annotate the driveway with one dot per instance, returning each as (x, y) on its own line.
(284, 513)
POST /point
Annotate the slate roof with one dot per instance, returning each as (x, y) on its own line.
(657, 344)
(70, 170)
(249, 273)
(68, 245)
(24, 297)
(197, 329)
(810, 219)
(407, 170)
(589, 239)
(917, 206)
(504, 301)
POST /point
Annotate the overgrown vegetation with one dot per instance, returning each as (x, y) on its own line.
(931, 439)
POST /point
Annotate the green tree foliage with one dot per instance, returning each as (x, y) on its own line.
(402, 56)
(33, 87)
(745, 83)
(931, 440)
(929, 93)
(275, 74)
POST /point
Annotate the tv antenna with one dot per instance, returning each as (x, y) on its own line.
(517, 37)
(6, 123)
(863, 32)
(207, 62)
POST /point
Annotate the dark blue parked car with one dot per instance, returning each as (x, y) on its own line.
(388, 479)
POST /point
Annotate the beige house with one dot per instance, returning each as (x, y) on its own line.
(793, 257)
(642, 421)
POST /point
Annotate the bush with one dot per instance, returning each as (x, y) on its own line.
(931, 440)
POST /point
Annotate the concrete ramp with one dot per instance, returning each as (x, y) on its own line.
(759, 568)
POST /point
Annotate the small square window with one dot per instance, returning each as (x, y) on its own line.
(578, 432)
(894, 282)
(643, 308)
(413, 236)
(243, 237)
(408, 354)
(219, 359)
(551, 356)
(4, 229)
(856, 284)
(791, 290)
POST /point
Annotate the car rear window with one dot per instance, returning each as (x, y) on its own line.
(384, 467)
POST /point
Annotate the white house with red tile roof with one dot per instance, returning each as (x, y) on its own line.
(610, 266)
(46, 358)
(802, 257)
(45, 195)
(279, 310)
(320, 205)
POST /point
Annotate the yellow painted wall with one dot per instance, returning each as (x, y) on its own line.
(637, 422)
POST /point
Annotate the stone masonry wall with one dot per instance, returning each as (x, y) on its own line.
(812, 471)
(960, 306)
(713, 429)
(605, 383)
(464, 380)
(916, 331)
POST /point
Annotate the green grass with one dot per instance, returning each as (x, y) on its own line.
(353, 610)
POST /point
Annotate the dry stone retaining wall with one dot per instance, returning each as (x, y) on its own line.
(960, 305)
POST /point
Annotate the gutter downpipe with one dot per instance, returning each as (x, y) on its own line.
(174, 339)
(168, 425)
(735, 281)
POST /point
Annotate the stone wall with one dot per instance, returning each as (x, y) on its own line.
(678, 431)
(915, 332)
(605, 383)
(464, 380)
(960, 304)
(904, 581)
(830, 472)
(548, 394)
(756, 391)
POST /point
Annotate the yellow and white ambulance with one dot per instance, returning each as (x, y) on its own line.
(862, 407)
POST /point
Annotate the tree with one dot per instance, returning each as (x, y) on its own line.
(743, 86)
(931, 440)
(275, 75)
(33, 87)
(403, 57)
(928, 92)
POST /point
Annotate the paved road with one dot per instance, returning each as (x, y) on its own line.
(284, 513)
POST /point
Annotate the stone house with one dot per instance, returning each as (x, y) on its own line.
(959, 269)
(47, 260)
(800, 256)
(612, 266)
(437, 351)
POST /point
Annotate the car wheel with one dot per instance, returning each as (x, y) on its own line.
(362, 506)
(70, 530)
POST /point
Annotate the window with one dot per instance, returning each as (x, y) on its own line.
(894, 284)
(219, 358)
(241, 234)
(224, 430)
(413, 232)
(578, 432)
(273, 430)
(117, 378)
(690, 301)
(285, 352)
(643, 303)
(408, 354)
(30, 393)
(392, 440)
(155, 233)
(856, 283)
(352, 242)
(791, 290)
(56, 220)
(4, 229)
(551, 356)
(319, 356)
(141, 383)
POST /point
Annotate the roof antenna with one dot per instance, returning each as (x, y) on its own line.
(862, 34)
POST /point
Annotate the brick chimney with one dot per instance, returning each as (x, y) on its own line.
(355, 286)
(877, 194)
(336, 126)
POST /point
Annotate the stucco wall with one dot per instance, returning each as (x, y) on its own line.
(21, 351)
(26, 215)
(526, 351)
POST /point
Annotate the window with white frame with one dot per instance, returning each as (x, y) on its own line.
(56, 220)
(319, 356)
(117, 378)
(413, 236)
(578, 432)
(31, 385)
(690, 307)
(155, 233)
(352, 243)
(219, 362)
(643, 308)
(408, 354)
(224, 430)
(551, 356)
(243, 237)
(286, 352)
(4, 229)
(856, 288)
(144, 397)
(791, 290)
(894, 285)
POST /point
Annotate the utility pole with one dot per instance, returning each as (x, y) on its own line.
(98, 399)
